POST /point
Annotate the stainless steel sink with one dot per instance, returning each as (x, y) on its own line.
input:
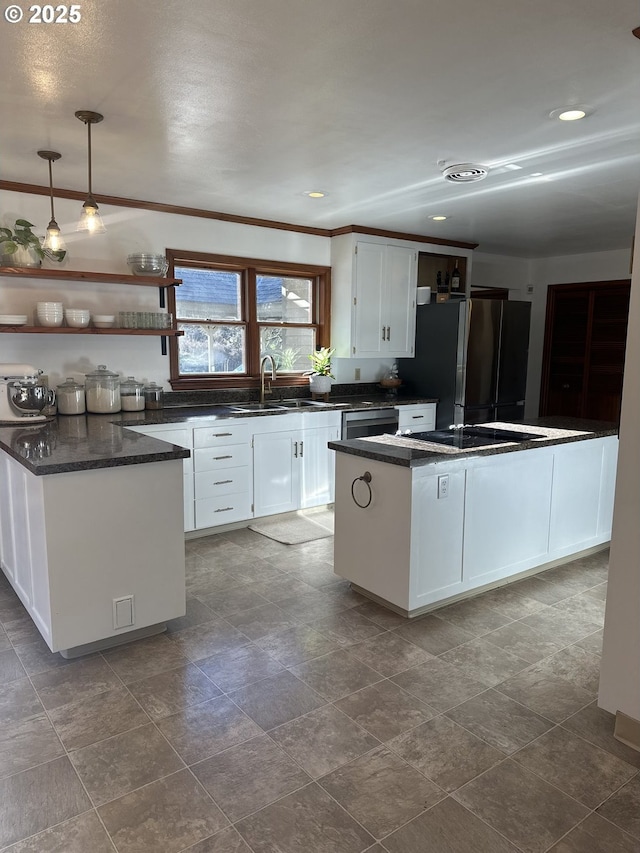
(303, 403)
(255, 407)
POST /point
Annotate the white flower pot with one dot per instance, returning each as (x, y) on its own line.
(22, 257)
(319, 384)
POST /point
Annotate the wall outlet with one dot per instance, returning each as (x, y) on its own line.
(123, 612)
(443, 486)
(529, 288)
(357, 376)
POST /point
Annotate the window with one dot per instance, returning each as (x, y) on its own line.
(233, 311)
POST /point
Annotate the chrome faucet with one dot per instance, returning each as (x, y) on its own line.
(263, 364)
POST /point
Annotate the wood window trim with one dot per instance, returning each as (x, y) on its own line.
(249, 267)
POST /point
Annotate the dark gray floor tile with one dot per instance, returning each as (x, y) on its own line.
(520, 806)
(10, 667)
(580, 769)
(18, 701)
(385, 710)
(485, 661)
(37, 657)
(380, 615)
(499, 721)
(276, 700)
(547, 694)
(121, 764)
(255, 569)
(5, 642)
(203, 730)
(596, 726)
(438, 684)
(296, 645)
(169, 815)
(164, 694)
(346, 627)
(260, 621)
(540, 589)
(473, 615)
(312, 604)
(523, 641)
(342, 593)
(145, 657)
(447, 828)
(389, 653)
(596, 835)
(434, 635)
(307, 820)
(226, 841)
(80, 680)
(445, 752)
(336, 675)
(584, 605)
(592, 643)
(623, 808)
(53, 792)
(197, 614)
(323, 740)
(239, 667)
(248, 777)
(564, 628)
(275, 589)
(512, 603)
(598, 592)
(233, 600)
(210, 639)
(90, 720)
(381, 791)
(576, 665)
(82, 834)
(26, 743)
(22, 629)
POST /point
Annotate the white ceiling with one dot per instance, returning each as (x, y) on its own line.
(241, 106)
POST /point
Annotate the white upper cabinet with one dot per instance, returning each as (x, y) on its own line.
(373, 299)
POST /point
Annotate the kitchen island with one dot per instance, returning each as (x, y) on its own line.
(418, 524)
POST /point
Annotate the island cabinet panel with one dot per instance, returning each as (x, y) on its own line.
(436, 552)
(372, 546)
(507, 510)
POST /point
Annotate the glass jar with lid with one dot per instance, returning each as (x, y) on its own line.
(70, 396)
(102, 391)
(153, 396)
(131, 395)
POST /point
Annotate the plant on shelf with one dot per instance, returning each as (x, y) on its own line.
(20, 246)
(320, 376)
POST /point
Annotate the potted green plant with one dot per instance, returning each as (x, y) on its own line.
(20, 247)
(320, 376)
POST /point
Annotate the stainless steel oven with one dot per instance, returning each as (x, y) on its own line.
(364, 422)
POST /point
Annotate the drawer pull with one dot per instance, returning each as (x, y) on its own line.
(228, 456)
(295, 452)
(301, 449)
(222, 482)
(224, 509)
(417, 417)
(221, 434)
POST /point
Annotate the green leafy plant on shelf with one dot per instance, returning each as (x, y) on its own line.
(22, 237)
(321, 362)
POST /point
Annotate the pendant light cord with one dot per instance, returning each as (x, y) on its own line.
(51, 187)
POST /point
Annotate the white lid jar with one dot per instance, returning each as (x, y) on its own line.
(131, 395)
(102, 391)
(70, 395)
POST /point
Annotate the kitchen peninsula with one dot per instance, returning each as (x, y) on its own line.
(418, 523)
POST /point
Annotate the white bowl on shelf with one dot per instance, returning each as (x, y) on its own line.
(77, 322)
(50, 320)
(103, 321)
(48, 306)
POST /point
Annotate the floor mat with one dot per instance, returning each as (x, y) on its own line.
(296, 527)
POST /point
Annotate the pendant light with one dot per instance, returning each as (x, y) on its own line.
(90, 220)
(53, 238)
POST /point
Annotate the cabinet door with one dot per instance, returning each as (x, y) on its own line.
(370, 333)
(317, 474)
(401, 279)
(276, 472)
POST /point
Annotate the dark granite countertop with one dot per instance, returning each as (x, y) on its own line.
(86, 442)
(412, 453)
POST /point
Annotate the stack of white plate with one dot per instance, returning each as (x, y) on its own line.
(13, 319)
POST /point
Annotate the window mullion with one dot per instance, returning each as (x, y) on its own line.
(250, 313)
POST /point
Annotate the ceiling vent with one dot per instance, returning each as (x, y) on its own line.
(465, 173)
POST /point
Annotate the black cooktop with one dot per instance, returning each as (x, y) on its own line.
(466, 437)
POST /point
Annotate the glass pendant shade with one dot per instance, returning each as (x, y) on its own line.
(53, 238)
(90, 219)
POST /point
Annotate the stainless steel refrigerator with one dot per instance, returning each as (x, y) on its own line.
(472, 356)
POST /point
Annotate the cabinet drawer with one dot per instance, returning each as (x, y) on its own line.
(223, 433)
(225, 456)
(417, 417)
(225, 481)
(223, 509)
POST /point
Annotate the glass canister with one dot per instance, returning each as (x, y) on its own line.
(153, 396)
(71, 397)
(131, 395)
(102, 391)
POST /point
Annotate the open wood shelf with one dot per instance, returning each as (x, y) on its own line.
(90, 330)
(79, 275)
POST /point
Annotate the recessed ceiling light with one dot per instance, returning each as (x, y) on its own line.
(573, 113)
(438, 217)
(315, 194)
(536, 174)
(511, 167)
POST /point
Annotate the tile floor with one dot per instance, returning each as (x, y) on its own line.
(286, 714)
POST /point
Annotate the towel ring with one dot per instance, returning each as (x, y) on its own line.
(366, 479)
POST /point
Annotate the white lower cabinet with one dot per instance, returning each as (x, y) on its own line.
(276, 472)
(317, 468)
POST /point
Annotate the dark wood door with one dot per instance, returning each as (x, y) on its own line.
(585, 336)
